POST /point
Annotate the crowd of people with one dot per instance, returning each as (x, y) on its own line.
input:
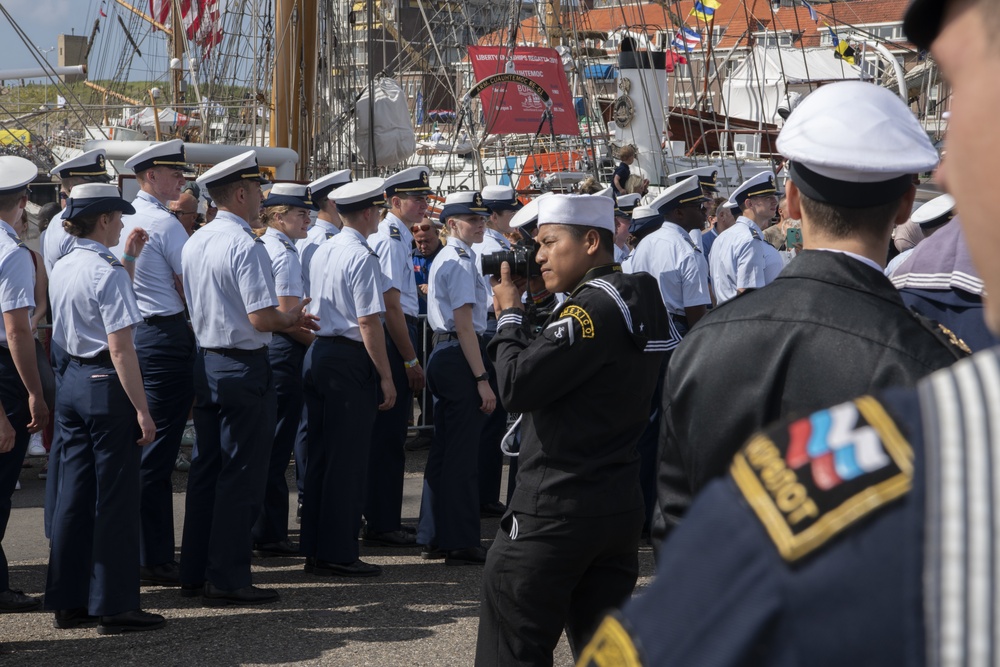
(672, 359)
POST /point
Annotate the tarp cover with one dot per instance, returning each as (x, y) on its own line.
(394, 137)
(758, 85)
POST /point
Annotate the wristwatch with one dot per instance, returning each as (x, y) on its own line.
(483, 378)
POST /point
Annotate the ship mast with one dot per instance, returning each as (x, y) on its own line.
(293, 93)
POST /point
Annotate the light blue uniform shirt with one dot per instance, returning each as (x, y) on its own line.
(393, 243)
(227, 274)
(285, 265)
(670, 256)
(493, 241)
(742, 259)
(160, 259)
(319, 232)
(56, 242)
(454, 282)
(17, 276)
(91, 296)
(348, 284)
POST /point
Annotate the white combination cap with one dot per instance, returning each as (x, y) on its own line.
(289, 194)
(935, 213)
(243, 167)
(854, 144)
(359, 195)
(92, 163)
(707, 176)
(687, 191)
(412, 181)
(324, 185)
(163, 154)
(15, 173)
(579, 210)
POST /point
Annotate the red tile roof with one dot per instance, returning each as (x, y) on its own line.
(735, 15)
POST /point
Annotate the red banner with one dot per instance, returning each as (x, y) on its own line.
(513, 108)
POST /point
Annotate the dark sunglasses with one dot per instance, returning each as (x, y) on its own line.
(422, 228)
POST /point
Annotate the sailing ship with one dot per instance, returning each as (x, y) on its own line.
(688, 82)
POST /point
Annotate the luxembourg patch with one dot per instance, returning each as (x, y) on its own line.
(611, 646)
(810, 480)
(582, 317)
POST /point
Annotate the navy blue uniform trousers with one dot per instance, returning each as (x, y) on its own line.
(166, 350)
(490, 456)
(386, 458)
(234, 417)
(94, 554)
(15, 404)
(286, 356)
(340, 391)
(60, 359)
(449, 508)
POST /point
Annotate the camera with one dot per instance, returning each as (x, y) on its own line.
(521, 258)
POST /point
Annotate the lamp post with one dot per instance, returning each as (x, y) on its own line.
(46, 52)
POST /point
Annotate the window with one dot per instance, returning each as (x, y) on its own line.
(717, 34)
(772, 39)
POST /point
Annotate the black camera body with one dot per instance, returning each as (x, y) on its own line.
(521, 258)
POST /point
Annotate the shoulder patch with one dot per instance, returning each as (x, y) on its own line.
(611, 646)
(560, 331)
(754, 234)
(369, 249)
(394, 233)
(694, 246)
(582, 317)
(109, 258)
(810, 480)
(460, 251)
(288, 246)
(946, 336)
(329, 236)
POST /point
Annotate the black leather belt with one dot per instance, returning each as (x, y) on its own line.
(155, 319)
(343, 340)
(101, 358)
(450, 335)
(235, 352)
(410, 319)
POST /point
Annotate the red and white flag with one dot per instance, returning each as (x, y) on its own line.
(160, 10)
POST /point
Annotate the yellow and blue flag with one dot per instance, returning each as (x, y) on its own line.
(705, 9)
(841, 49)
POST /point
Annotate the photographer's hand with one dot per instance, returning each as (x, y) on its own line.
(506, 293)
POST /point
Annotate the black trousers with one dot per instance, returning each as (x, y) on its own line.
(544, 574)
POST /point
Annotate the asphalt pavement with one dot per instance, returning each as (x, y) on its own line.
(417, 613)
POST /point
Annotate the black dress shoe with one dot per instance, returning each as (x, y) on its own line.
(358, 568)
(165, 574)
(408, 529)
(470, 556)
(130, 621)
(12, 602)
(393, 538)
(494, 509)
(192, 590)
(67, 619)
(215, 597)
(282, 549)
(431, 553)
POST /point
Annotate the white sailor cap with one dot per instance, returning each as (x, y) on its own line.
(324, 185)
(463, 202)
(527, 218)
(90, 164)
(755, 186)
(359, 195)
(642, 217)
(686, 193)
(934, 213)
(922, 21)
(501, 198)
(854, 144)
(15, 174)
(579, 210)
(243, 167)
(289, 194)
(412, 181)
(606, 192)
(162, 154)
(625, 204)
(94, 198)
(707, 176)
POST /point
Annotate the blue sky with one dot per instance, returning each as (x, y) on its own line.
(42, 20)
